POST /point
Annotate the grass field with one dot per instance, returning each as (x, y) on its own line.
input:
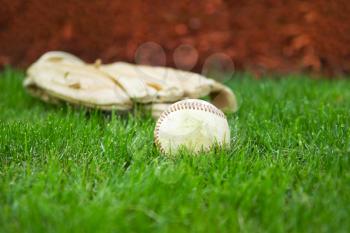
(66, 170)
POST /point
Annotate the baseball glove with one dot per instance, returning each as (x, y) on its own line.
(59, 76)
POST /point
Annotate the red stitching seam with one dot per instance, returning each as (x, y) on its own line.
(181, 106)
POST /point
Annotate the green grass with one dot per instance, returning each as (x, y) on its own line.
(69, 170)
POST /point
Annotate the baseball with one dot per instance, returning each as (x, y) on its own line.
(192, 124)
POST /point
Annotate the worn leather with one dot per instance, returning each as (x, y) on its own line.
(60, 76)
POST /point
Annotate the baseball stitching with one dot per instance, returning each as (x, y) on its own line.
(183, 106)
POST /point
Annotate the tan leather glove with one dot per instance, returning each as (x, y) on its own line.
(119, 86)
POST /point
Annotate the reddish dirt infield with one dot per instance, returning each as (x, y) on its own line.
(260, 36)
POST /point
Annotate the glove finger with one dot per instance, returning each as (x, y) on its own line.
(76, 84)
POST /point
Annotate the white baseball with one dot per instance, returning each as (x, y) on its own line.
(193, 124)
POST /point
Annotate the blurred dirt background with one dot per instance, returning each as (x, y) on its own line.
(261, 36)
